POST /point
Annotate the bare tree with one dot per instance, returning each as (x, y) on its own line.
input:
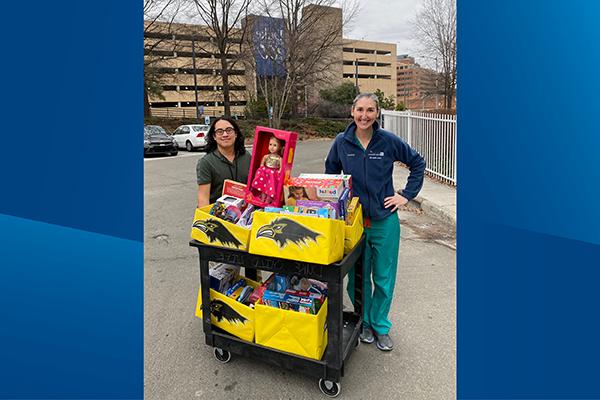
(159, 44)
(435, 29)
(301, 40)
(225, 37)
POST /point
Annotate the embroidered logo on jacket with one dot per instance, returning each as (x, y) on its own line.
(376, 156)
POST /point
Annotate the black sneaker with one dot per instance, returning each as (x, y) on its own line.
(385, 343)
(366, 335)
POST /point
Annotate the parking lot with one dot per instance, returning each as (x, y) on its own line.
(178, 365)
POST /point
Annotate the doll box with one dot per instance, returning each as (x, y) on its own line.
(259, 150)
(297, 237)
(230, 315)
(215, 231)
(316, 189)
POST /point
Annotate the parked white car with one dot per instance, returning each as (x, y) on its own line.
(192, 137)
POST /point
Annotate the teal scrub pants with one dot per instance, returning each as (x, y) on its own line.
(380, 261)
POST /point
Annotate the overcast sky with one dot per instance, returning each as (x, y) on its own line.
(387, 21)
(380, 21)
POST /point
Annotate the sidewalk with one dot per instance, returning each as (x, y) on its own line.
(435, 199)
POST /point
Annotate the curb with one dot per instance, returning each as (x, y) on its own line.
(430, 208)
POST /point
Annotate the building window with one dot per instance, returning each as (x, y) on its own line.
(164, 53)
(197, 38)
(157, 35)
(190, 54)
(164, 104)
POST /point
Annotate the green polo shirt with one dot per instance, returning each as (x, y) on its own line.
(214, 168)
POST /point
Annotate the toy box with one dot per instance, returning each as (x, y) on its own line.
(316, 189)
(346, 178)
(233, 188)
(230, 315)
(260, 149)
(215, 231)
(292, 331)
(334, 208)
(297, 237)
(222, 276)
(354, 231)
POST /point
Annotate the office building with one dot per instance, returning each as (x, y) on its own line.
(417, 87)
(169, 64)
(370, 65)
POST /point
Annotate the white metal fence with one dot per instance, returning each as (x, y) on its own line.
(432, 135)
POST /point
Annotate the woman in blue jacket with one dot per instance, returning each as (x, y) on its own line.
(368, 153)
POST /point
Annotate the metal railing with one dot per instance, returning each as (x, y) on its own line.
(432, 135)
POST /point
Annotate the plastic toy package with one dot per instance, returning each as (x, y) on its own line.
(228, 208)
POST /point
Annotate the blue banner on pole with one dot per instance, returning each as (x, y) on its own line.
(269, 47)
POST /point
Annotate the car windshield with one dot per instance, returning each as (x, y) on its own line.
(154, 130)
(198, 128)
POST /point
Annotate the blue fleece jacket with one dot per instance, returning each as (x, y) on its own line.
(372, 168)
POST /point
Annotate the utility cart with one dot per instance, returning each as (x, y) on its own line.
(343, 327)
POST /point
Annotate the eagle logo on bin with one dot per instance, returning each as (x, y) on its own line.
(215, 230)
(283, 230)
(221, 310)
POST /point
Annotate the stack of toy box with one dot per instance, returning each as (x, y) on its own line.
(226, 223)
(230, 307)
(291, 316)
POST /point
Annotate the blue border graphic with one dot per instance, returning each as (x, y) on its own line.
(71, 209)
(528, 220)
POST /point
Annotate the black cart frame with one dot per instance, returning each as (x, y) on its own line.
(343, 327)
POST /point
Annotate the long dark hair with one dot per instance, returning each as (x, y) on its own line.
(211, 142)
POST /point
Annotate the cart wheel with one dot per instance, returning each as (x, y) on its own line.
(222, 355)
(329, 388)
(357, 342)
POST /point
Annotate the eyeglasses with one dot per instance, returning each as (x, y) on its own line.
(220, 132)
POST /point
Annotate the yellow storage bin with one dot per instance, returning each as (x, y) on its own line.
(297, 237)
(353, 233)
(218, 232)
(230, 315)
(292, 331)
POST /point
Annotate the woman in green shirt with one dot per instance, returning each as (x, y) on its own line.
(226, 158)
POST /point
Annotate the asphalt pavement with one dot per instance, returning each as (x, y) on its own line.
(178, 365)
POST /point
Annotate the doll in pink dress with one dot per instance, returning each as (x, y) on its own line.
(267, 175)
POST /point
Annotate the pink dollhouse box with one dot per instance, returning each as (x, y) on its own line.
(261, 147)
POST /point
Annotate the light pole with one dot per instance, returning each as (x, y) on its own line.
(356, 74)
(195, 82)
